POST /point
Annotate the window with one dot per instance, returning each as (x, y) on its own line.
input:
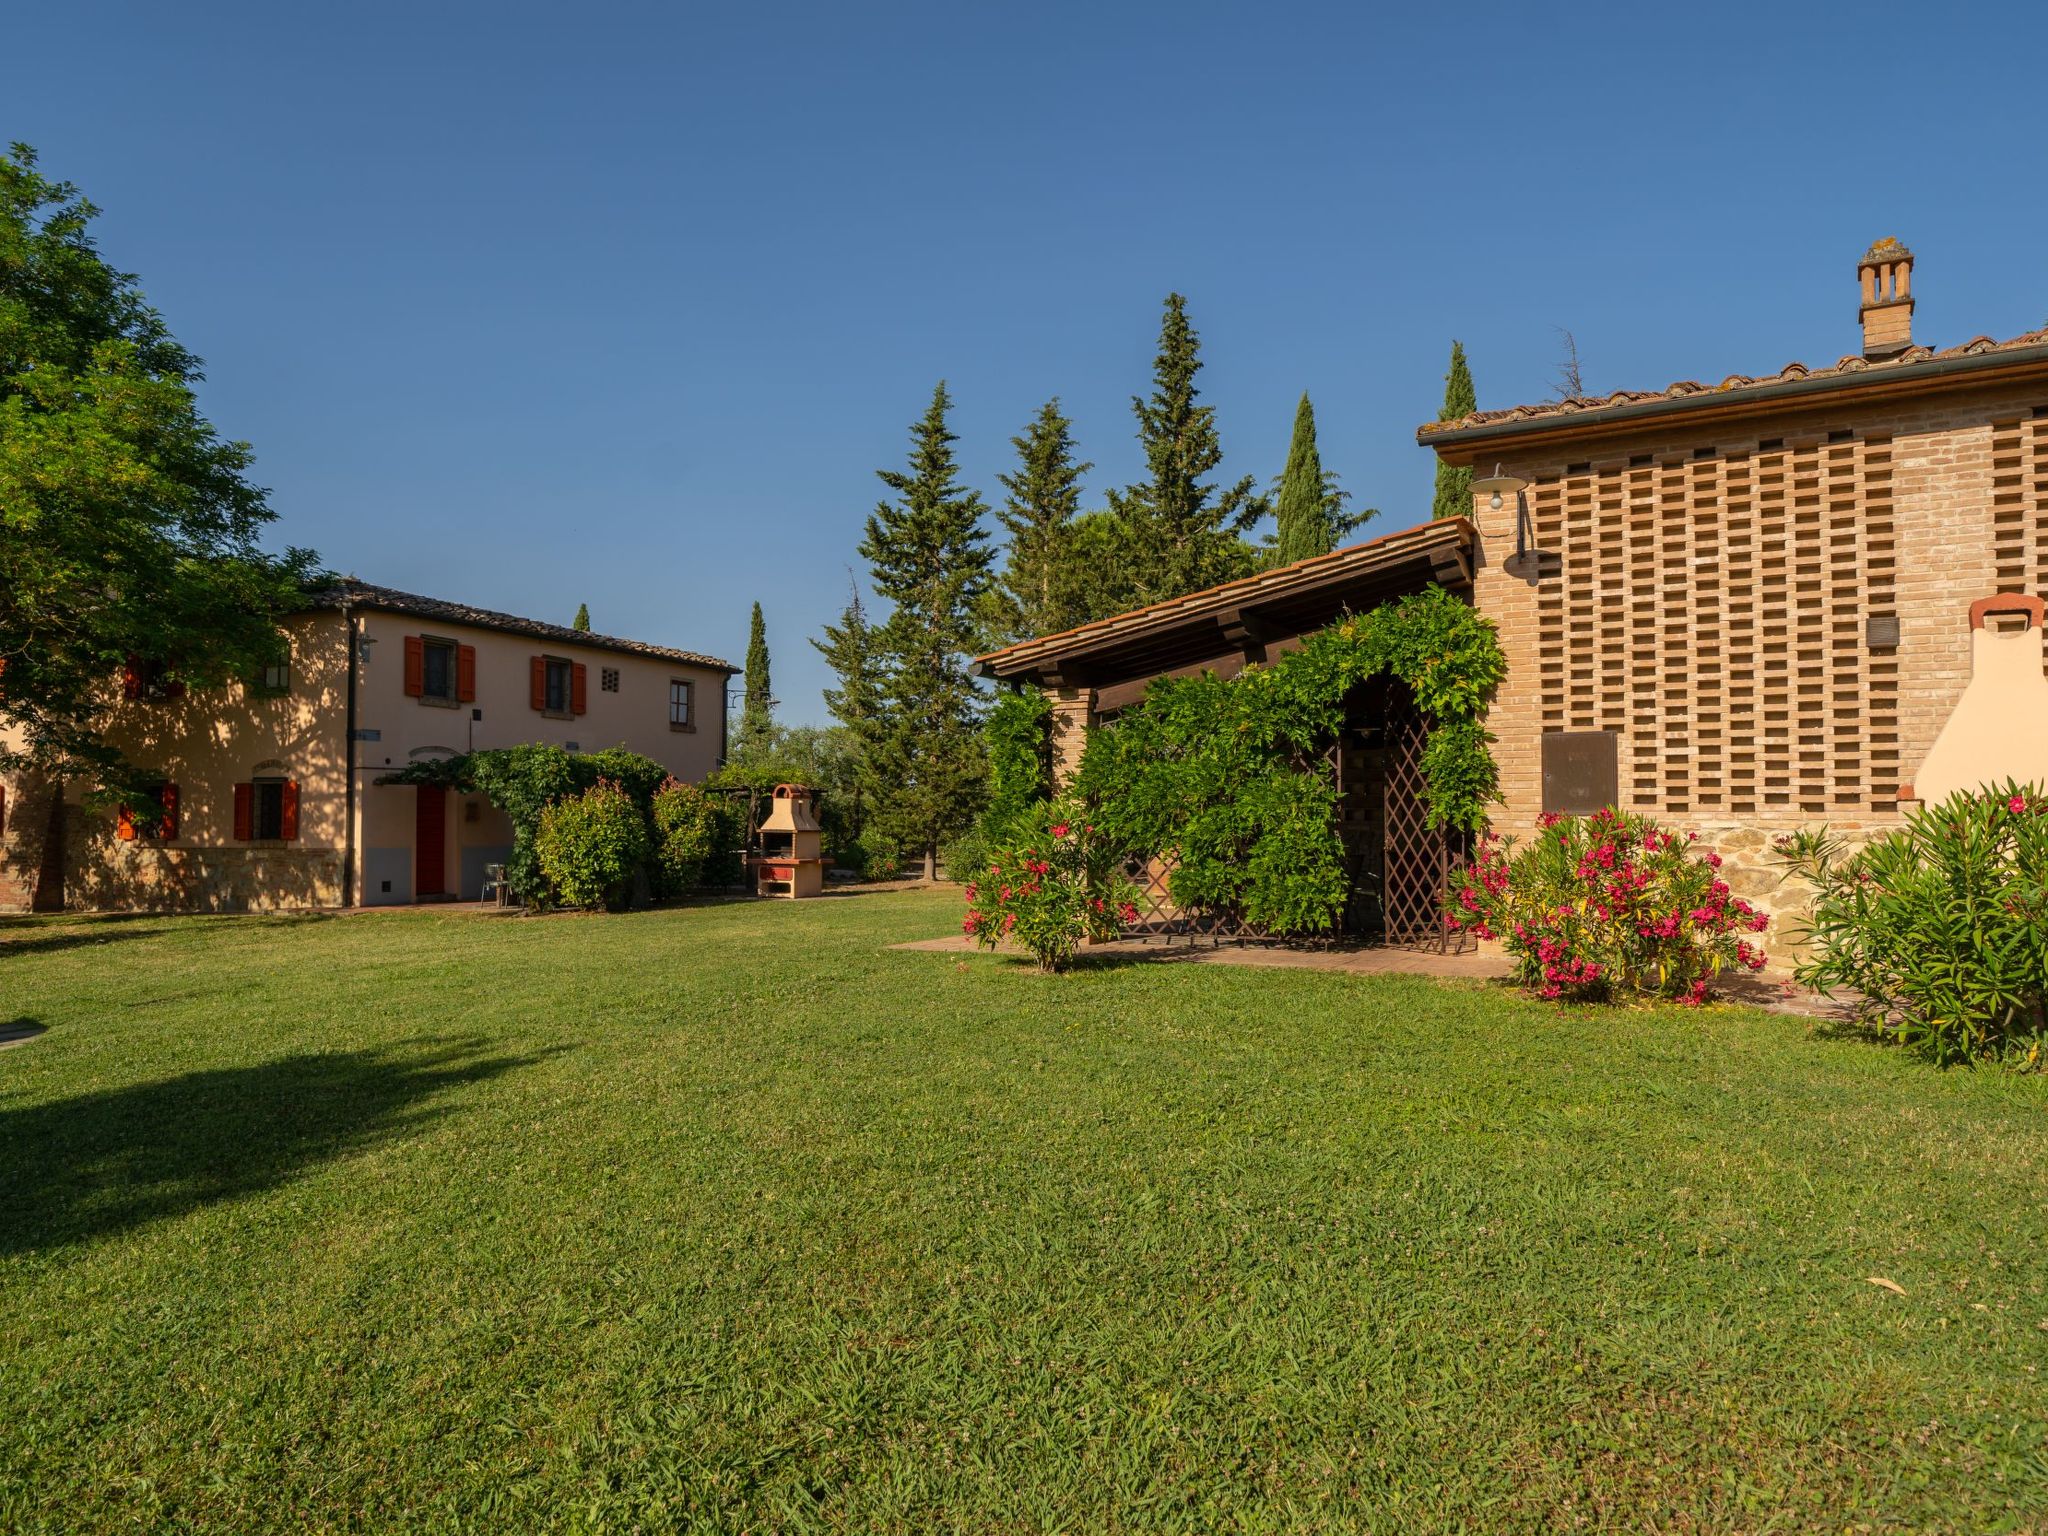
(155, 817)
(608, 680)
(276, 678)
(268, 810)
(150, 680)
(558, 696)
(679, 706)
(437, 671)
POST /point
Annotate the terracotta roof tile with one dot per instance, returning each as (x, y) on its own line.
(1849, 368)
(363, 594)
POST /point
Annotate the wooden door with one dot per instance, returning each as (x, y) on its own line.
(430, 843)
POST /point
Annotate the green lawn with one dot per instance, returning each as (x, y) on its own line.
(726, 1218)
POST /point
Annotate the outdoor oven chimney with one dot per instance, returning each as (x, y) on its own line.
(1886, 273)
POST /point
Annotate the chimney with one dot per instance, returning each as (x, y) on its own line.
(1886, 272)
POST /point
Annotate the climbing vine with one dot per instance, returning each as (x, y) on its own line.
(1234, 775)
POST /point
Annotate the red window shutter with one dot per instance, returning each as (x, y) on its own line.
(131, 679)
(3, 807)
(579, 688)
(170, 803)
(288, 818)
(415, 667)
(539, 675)
(124, 825)
(245, 812)
(465, 674)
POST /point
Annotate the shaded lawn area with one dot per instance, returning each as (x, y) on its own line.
(726, 1218)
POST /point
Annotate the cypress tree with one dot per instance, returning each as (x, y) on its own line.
(1177, 533)
(582, 619)
(1038, 592)
(1454, 482)
(849, 648)
(1309, 508)
(757, 710)
(928, 555)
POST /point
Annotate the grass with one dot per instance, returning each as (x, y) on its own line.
(728, 1218)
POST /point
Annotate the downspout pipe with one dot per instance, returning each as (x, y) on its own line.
(348, 758)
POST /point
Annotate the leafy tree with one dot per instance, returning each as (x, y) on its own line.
(850, 649)
(1040, 591)
(582, 619)
(929, 557)
(1178, 532)
(1309, 508)
(1454, 482)
(757, 710)
(128, 528)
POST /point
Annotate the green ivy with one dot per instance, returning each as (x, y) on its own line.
(1018, 730)
(1234, 775)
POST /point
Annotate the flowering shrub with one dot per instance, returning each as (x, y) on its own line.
(1605, 905)
(1936, 934)
(591, 845)
(1050, 883)
(691, 830)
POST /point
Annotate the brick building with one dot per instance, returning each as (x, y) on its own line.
(1757, 605)
(1744, 607)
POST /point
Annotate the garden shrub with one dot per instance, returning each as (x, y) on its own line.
(1233, 776)
(1936, 933)
(523, 781)
(590, 846)
(689, 831)
(1053, 883)
(1608, 905)
(1017, 733)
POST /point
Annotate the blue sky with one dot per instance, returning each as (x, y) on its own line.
(531, 305)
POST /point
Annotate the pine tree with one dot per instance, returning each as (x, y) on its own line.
(1309, 508)
(928, 555)
(582, 619)
(1177, 533)
(1454, 482)
(1039, 591)
(849, 648)
(757, 710)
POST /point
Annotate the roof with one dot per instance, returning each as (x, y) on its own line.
(1915, 368)
(1294, 594)
(349, 592)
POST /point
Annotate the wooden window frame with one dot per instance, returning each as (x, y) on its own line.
(453, 698)
(565, 668)
(689, 720)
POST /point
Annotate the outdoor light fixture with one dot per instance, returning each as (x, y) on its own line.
(1498, 484)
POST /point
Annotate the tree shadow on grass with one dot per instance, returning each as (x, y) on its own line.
(84, 1168)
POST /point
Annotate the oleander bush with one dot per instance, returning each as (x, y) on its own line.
(1053, 883)
(1936, 934)
(1608, 906)
(590, 846)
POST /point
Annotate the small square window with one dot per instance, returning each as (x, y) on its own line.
(608, 680)
(558, 686)
(679, 706)
(437, 671)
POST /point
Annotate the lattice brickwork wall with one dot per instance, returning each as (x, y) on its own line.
(1712, 609)
(2019, 502)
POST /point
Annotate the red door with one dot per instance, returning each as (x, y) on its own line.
(430, 843)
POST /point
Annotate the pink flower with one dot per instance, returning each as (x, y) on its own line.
(1059, 829)
(2016, 804)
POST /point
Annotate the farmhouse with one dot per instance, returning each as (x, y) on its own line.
(1745, 607)
(271, 796)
